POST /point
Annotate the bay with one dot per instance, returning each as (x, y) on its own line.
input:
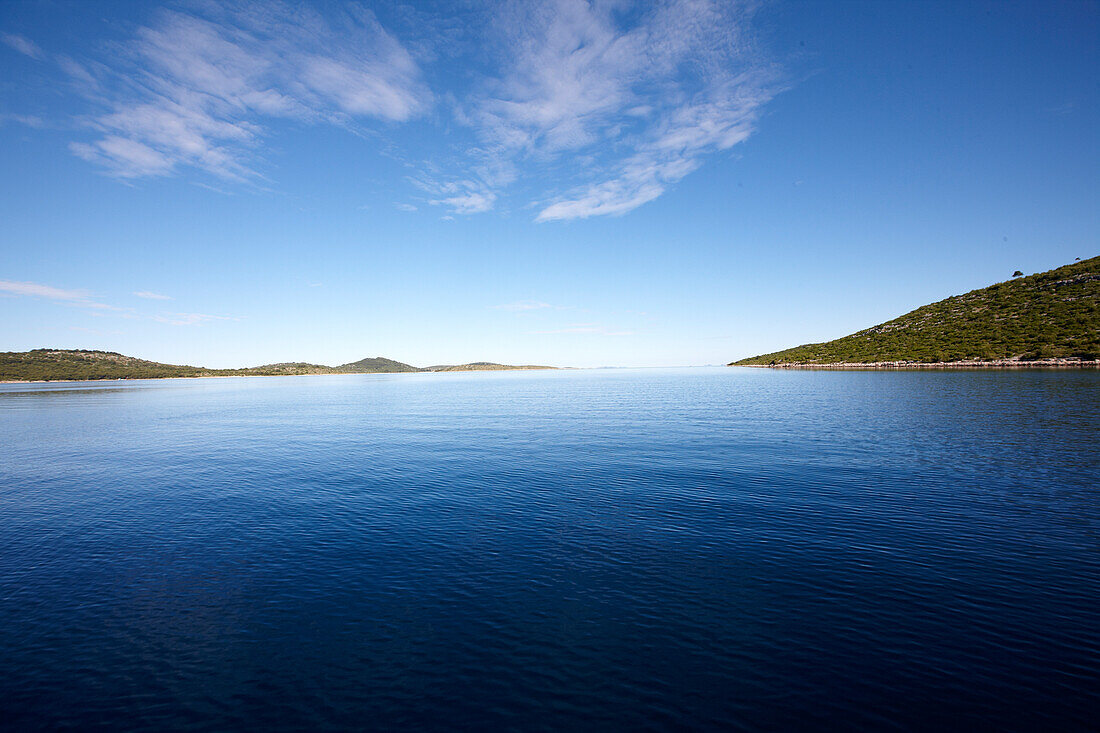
(591, 549)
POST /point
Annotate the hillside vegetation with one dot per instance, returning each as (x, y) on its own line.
(76, 364)
(376, 365)
(1050, 315)
(481, 366)
(47, 364)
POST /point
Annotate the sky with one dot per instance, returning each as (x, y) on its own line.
(564, 182)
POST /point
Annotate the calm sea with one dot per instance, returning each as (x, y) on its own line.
(661, 549)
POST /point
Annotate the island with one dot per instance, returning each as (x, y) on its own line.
(49, 365)
(1050, 319)
(480, 366)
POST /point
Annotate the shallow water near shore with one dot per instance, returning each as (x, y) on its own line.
(574, 549)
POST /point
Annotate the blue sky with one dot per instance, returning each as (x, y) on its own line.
(565, 183)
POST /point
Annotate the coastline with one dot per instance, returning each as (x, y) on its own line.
(165, 379)
(966, 364)
(250, 376)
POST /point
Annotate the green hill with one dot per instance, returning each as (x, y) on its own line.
(291, 367)
(50, 364)
(82, 365)
(376, 365)
(1051, 315)
(481, 366)
(78, 364)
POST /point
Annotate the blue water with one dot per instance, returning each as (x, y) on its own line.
(553, 550)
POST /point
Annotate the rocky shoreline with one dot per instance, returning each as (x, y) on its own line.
(967, 364)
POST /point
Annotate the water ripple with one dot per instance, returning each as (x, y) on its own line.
(662, 549)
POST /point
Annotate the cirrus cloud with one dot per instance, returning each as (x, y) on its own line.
(523, 305)
(617, 106)
(196, 89)
(566, 108)
(80, 298)
(23, 45)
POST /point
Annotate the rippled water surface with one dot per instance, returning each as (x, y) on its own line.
(591, 549)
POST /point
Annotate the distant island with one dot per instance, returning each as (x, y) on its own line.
(1048, 319)
(49, 365)
(480, 366)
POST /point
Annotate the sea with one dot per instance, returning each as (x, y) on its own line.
(644, 549)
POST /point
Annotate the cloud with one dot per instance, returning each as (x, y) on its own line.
(197, 89)
(585, 328)
(404, 207)
(151, 295)
(523, 305)
(28, 120)
(575, 108)
(79, 298)
(37, 290)
(466, 196)
(95, 331)
(188, 319)
(23, 45)
(623, 109)
(83, 299)
(124, 157)
(78, 74)
(474, 202)
(640, 183)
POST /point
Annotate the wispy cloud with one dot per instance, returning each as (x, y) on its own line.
(188, 319)
(37, 290)
(473, 202)
(80, 298)
(195, 89)
(568, 109)
(28, 120)
(404, 207)
(149, 295)
(640, 104)
(466, 196)
(585, 328)
(83, 299)
(23, 45)
(523, 305)
(95, 331)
